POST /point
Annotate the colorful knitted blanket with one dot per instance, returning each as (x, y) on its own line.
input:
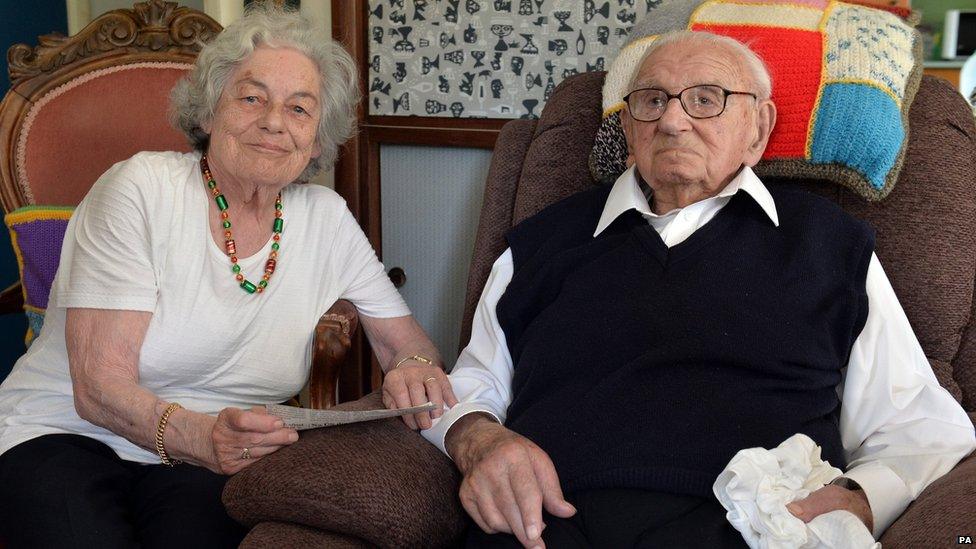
(844, 76)
(36, 233)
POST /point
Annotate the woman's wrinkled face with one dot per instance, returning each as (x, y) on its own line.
(264, 128)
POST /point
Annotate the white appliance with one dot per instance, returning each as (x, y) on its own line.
(959, 34)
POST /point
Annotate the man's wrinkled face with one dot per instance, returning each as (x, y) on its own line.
(678, 150)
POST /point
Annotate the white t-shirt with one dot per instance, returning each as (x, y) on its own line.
(141, 241)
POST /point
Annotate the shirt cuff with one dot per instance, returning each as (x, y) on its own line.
(438, 431)
(886, 493)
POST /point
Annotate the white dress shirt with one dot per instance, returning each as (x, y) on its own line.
(900, 429)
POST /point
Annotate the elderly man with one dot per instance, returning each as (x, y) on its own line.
(632, 339)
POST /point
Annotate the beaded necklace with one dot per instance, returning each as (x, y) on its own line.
(229, 245)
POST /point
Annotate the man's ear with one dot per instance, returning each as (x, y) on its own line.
(765, 121)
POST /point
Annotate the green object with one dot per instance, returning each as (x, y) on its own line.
(246, 284)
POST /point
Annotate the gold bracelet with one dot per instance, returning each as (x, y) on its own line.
(418, 358)
(160, 428)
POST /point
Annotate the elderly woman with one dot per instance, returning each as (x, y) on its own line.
(187, 295)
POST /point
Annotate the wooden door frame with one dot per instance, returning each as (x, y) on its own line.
(357, 171)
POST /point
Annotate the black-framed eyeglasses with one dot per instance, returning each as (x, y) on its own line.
(702, 101)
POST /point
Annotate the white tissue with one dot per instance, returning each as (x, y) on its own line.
(757, 484)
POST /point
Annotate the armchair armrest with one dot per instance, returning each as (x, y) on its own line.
(941, 512)
(377, 481)
(283, 534)
(12, 299)
(333, 338)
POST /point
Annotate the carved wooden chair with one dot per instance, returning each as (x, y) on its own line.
(78, 104)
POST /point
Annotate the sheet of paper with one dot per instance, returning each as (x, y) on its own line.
(305, 418)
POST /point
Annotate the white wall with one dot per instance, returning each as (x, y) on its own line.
(81, 12)
(431, 200)
(102, 6)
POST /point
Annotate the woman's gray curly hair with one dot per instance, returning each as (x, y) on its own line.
(194, 99)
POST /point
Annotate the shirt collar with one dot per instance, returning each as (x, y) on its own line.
(626, 195)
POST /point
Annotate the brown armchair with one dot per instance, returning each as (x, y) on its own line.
(380, 484)
(79, 104)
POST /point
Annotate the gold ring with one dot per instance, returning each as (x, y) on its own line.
(431, 378)
(246, 453)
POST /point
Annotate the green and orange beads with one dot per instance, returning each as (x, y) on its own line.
(231, 248)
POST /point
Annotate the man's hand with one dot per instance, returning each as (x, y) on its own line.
(507, 479)
(832, 498)
(414, 384)
(236, 429)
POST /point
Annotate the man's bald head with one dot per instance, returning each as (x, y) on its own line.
(755, 72)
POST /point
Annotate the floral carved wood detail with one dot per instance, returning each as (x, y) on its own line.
(155, 25)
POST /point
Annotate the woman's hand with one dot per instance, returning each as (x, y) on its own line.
(253, 430)
(409, 381)
(414, 383)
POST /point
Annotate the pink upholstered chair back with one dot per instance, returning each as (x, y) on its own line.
(79, 104)
(76, 131)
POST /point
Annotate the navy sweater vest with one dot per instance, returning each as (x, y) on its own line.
(646, 367)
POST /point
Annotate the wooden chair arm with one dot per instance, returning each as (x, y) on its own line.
(12, 299)
(333, 338)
